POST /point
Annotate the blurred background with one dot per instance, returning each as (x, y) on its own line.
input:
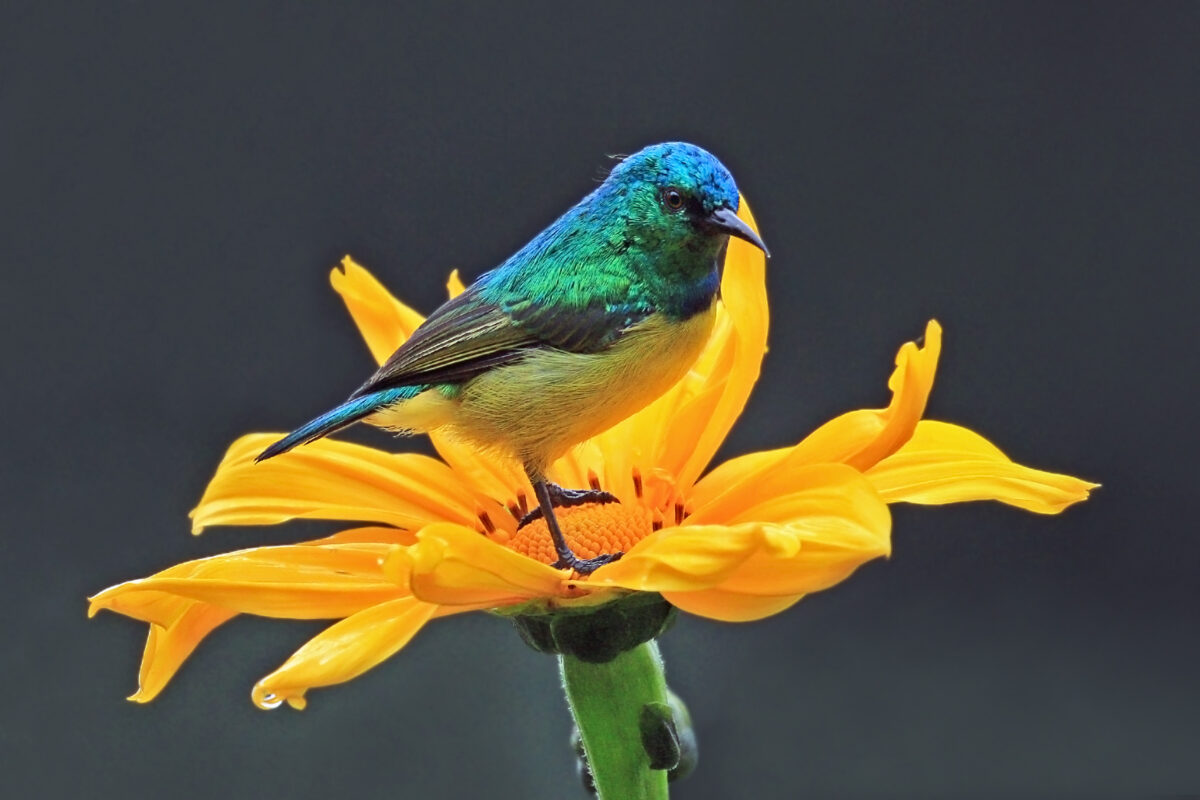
(179, 179)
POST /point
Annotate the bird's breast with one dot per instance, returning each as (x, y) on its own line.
(539, 407)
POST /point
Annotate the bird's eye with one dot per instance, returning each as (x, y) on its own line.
(673, 198)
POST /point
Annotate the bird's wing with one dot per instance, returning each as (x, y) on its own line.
(469, 335)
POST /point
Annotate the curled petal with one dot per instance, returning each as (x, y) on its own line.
(293, 582)
(344, 650)
(168, 647)
(944, 463)
(862, 438)
(858, 438)
(385, 322)
(452, 565)
(334, 480)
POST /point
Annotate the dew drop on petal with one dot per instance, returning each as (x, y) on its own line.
(266, 700)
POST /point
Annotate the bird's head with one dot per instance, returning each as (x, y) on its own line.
(679, 196)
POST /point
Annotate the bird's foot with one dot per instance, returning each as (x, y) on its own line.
(565, 498)
(585, 566)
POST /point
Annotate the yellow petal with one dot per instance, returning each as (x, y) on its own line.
(862, 438)
(944, 463)
(794, 491)
(682, 559)
(385, 322)
(486, 474)
(453, 565)
(729, 475)
(454, 286)
(344, 650)
(727, 606)
(334, 480)
(744, 296)
(167, 648)
(858, 438)
(794, 532)
(670, 441)
(294, 582)
(178, 624)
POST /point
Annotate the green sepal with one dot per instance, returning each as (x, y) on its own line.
(595, 634)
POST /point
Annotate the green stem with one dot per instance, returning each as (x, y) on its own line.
(607, 700)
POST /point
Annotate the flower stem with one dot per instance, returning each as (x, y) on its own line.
(607, 700)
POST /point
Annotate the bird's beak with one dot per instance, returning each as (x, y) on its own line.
(726, 219)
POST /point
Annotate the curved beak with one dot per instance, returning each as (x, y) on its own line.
(726, 219)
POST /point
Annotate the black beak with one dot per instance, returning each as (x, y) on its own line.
(726, 219)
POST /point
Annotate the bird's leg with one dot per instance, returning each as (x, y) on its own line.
(566, 558)
(565, 498)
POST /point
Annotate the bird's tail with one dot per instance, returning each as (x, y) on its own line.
(344, 415)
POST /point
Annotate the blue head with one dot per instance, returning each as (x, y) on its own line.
(676, 196)
(655, 229)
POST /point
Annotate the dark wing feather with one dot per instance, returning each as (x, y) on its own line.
(469, 335)
(463, 337)
(580, 330)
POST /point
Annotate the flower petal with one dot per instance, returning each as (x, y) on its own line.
(453, 565)
(863, 438)
(683, 559)
(488, 475)
(385, 322)
(335, 480)
(944, 463)
(793, 492)
(344, 650)
(293, 582)
(670, 441)
(858, 438)
(178, 624)
(744, 296)
(796, 531)
(454, 285)
(167, 648)
(727, 606)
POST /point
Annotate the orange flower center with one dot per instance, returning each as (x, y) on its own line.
(591, 530)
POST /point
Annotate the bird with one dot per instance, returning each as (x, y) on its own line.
(592, 320)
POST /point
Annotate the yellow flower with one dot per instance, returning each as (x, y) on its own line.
(746, 540)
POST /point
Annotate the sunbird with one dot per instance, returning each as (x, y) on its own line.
(597, 316)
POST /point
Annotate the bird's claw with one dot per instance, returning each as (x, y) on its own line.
(586, 566)
(565, 498)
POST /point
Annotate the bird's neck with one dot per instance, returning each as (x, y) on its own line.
(681, 281)
(593, 253)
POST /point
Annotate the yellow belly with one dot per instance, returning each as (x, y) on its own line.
(538, 408)
(542, 406)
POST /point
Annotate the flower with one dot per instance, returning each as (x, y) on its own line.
(744, 541)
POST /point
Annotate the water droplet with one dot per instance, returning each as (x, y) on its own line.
(269, 701)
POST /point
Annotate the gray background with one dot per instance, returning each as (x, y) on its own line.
(178, 179)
